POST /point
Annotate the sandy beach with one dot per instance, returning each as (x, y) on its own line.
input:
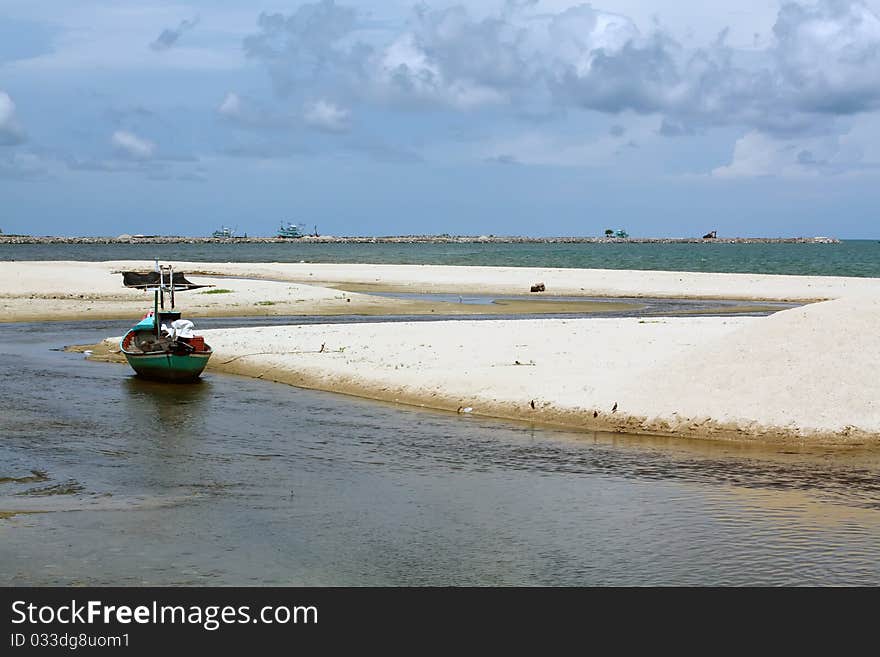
(792, 376)
(43, 291)
(47, 291)
(806, 375)
(518, 280)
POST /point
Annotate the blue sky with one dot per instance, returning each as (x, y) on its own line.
(538, 117)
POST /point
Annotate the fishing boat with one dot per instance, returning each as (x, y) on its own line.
(291, 230)
(162, 345)
(224, 232)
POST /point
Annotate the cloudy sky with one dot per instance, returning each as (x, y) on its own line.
(665, 117)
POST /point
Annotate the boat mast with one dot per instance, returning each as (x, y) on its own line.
(156, 302)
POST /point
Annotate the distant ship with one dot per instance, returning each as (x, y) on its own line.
(225, 233)
(291, 230)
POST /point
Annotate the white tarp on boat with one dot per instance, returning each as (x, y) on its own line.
(180, 328)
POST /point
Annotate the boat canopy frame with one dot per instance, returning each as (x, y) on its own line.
(159, 281)
(156, 280)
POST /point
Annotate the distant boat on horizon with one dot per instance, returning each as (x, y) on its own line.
(225, 232)
(291, 230)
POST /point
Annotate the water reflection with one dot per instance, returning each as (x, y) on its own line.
(177, 408)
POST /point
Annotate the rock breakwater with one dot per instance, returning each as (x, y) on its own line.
(408, 239)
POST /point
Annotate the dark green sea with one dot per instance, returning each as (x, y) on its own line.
(849, 258)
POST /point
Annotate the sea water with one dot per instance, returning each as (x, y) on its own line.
(849, 258)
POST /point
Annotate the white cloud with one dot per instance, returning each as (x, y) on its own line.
(404, 72)
(231, 106)
(326, 116)
(829, 55)
(757, 154)
(822, 62)
(11, 132)
(130, 145)
(246, 112)
(818, 61)
(579, 34)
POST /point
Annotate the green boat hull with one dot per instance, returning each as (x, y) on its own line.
(168, 367)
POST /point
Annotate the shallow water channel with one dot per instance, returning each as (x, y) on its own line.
(108, 479)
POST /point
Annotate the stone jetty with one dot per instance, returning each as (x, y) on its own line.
(409, 239)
